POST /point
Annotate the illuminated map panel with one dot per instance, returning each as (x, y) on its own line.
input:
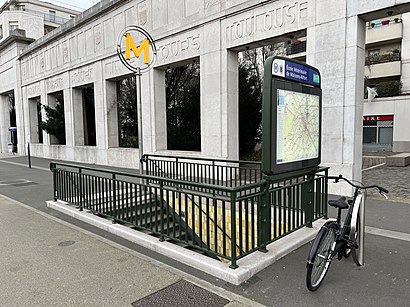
(297, 134)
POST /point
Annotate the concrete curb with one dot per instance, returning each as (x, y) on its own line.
(248, 266)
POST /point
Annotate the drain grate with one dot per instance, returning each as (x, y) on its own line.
(181, 294)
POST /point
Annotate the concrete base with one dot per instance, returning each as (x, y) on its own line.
(401, 159)
(248, 266)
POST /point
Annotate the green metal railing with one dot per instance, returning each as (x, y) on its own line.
(224, 221)
(228, 173)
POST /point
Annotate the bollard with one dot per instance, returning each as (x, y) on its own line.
(29, 155)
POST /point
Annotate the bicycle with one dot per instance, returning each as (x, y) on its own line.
(334, 239)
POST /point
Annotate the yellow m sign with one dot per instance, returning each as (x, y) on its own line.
(130, 45)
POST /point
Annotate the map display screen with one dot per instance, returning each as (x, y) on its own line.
(298, 126)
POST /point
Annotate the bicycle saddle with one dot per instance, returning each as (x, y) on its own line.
(340, 203)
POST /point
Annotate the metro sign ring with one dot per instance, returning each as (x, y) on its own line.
(136, 49)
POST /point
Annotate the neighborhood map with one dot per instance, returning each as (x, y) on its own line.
(297, 126)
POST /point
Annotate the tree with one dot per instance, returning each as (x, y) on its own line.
(55, 123)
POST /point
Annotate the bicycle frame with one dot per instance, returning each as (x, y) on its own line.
(349, 225)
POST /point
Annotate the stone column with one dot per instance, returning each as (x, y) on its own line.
(77, 116)
(219, 98)
(112, 113)
(68, 111)
(336, 48)
(100, 123)
(156, 129)
(4, 123)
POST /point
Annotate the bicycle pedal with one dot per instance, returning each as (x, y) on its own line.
(351, 244)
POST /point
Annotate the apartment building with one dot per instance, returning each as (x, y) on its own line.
(36, 18)
(385, 121)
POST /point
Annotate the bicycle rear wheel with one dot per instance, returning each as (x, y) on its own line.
(320, 257)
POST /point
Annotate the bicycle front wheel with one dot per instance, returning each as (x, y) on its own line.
(320, 257)
(355, 237)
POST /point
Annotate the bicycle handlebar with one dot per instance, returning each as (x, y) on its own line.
(340, 177)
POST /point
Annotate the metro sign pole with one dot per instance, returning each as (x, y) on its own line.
(146, 47)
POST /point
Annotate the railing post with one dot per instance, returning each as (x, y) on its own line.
(81, 189)
(308, 198)
(53, 169)
(114, 199)
(213, 172)
(325, 196)
(233, 231)
(176, 170)
(161, 209)
(264, 216)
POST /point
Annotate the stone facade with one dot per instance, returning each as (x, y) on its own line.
(83, 52)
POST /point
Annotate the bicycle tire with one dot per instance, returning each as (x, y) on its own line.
(320, 257)
(355, 249)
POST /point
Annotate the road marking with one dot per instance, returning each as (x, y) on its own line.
(24, 165)
(388, 233)
(374, 166)
(15, 181)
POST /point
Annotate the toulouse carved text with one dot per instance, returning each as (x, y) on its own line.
(266, 21)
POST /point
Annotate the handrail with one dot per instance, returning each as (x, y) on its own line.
(153, 178)
(145, 157)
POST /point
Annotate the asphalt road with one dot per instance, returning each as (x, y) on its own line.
(383, 281)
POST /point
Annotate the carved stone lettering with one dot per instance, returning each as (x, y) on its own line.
(268, 20)
(33, 90)
(54, 84)
(82, 75)
(179, 47)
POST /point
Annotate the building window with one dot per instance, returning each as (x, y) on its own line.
(36, 133)
(89, 116)
(13, 25)
(54, 123)
(1, 31)
(183, 107)
(51, 15)
(127, 113)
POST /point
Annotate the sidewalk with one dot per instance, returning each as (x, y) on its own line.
(48, 262)
(383, 281)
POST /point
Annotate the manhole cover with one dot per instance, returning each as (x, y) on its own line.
(181, 294)
(66, 243)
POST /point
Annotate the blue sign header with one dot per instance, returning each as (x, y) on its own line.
(295, 71)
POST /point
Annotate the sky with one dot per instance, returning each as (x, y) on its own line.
(80, 5)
